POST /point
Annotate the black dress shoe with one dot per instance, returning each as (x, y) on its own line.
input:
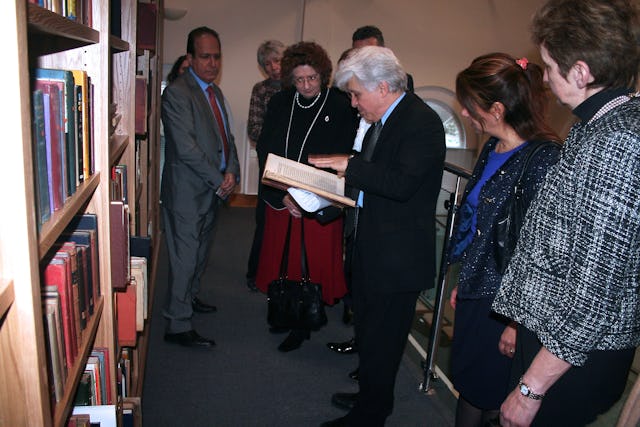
(347, 347)
(344, 401)
(355, 375)
(251, 284)
(294, 340)
(202, 307)
(338, 422)
(189, 339)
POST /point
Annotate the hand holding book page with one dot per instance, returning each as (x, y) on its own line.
(337, 162)
(284, 173)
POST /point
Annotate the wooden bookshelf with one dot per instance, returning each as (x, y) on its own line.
(147, 161)
(6, 296)
(36, 37)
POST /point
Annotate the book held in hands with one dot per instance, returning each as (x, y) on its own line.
(283, 173)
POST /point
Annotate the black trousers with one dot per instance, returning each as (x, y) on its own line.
(582, 393)
(382, 324)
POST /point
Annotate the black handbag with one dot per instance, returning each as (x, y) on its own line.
(507, 228)
(295, 304)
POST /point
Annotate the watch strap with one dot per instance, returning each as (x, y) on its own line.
(526, 391)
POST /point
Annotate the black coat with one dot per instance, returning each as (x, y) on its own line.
(395, 238)
(333, 132)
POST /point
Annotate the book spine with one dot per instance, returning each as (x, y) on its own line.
(40, 147)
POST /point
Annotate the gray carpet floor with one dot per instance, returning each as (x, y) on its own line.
(244, 380)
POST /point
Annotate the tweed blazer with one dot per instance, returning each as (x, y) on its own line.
(574, 279)
(479, 277)
(193, 152)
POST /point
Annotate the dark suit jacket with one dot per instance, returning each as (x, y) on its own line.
(395, 238)
(193, 152)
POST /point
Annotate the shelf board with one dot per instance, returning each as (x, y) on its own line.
(67, 33)
(59, 220)
(117, 44)
(63, 407)
(6, 296)
(117, 145)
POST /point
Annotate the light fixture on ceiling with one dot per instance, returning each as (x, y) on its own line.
(173, 14)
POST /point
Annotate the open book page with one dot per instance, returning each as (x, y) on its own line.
(284, 173)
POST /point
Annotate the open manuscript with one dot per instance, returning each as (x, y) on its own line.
(283, 173)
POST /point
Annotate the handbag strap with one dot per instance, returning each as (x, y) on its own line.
(531, 151)
(284, 263)
(303, 255)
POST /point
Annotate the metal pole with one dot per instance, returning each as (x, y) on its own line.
(436, 324)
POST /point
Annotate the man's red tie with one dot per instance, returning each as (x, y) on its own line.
(218, 116)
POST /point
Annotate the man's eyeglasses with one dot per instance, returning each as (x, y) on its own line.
(308, 79)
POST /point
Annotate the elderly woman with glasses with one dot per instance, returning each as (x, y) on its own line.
(306, 117)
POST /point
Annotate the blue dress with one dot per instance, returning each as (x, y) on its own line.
(479, 371)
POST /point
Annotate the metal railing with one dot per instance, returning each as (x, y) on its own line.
(451, 206)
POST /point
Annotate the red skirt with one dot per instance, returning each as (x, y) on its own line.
(323, 244)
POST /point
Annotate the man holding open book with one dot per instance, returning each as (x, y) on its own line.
(398, 174)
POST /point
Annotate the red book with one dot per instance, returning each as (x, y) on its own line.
(58, 273)
(119, 231)
(126, 314)
(77, 279)
(141, 106)
(147, 18)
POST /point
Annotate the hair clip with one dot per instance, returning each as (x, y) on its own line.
(522, 62)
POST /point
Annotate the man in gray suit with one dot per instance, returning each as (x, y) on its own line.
(201, 170)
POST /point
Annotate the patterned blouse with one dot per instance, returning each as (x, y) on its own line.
(574, 279)
(474, 245)
(260, 96)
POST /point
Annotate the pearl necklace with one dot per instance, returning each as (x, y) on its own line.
(297, 98)
(304, 141)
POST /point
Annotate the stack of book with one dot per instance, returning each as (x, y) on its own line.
(71, 290)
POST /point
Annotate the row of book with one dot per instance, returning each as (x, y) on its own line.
(93, 402)
(107, 416)
(94, 387)
(71, 291)
(63, 136)
(76, 10)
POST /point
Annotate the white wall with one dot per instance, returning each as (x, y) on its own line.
(433, 39)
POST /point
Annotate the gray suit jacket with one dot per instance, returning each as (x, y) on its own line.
(193, 152)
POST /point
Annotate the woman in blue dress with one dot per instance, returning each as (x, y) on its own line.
(503, 97)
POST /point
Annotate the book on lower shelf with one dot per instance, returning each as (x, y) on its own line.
(126, 315)
(119, 231)
(102, 415)
(283, 173)
(57, 274)
(94, 386)
(56, 361)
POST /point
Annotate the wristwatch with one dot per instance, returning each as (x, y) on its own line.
(527, 392)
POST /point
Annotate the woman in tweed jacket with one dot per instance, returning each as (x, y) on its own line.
(574, 281)
(503, 97)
